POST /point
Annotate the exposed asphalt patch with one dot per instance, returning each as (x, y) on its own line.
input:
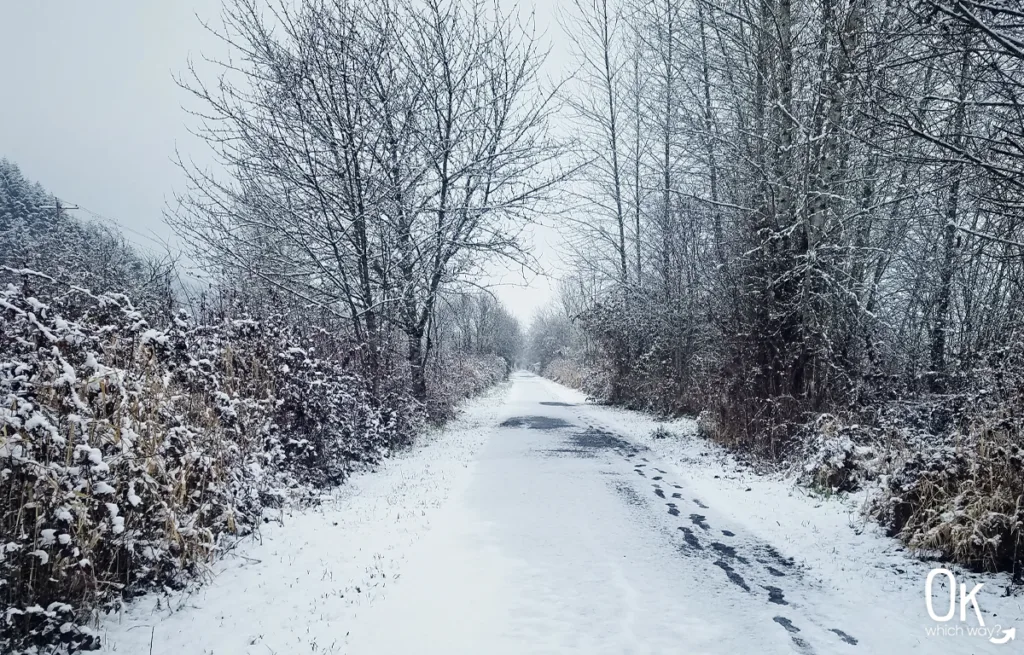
(698, 520)
(535, 423)
(601, 440)
(733, 576)
(552, 403)
(845, 637)
(775, 595)
(691, 539)
(575, 452)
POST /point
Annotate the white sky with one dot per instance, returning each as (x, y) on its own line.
(89, 108)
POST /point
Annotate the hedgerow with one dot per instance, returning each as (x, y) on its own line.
(132, 453)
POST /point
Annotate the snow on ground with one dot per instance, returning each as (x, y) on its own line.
(538, 523)
(829, 537)
(304, 584)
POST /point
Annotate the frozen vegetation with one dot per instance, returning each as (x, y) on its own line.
(782, 371)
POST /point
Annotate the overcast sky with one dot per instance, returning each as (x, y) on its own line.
(89, 108)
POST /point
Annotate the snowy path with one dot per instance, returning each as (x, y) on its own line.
(533, 525)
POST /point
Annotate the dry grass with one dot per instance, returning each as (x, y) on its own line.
(966, 502)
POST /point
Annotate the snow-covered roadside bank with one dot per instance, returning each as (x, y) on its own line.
(310, 574)
(829, 536)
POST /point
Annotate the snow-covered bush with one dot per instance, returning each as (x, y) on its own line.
(960, 492)
(458, 376)
(835, 458)
(577, 376)
(327, 420)
(131, 452)
(118, 473)
(647, 356)
(964, 502)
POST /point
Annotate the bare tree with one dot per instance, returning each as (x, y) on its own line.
(375, 152)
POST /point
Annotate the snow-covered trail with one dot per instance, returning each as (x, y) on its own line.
(562, 545)
(533, 524)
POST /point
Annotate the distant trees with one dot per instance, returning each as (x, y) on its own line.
(34, 235)
(479, 324)
(377, 153)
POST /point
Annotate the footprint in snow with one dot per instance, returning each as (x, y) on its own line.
(787, 562)
(733, 576)
(698, 520)
(845, 637)
(659, 493)
(672, 509)
(699, 504)
(799, 642)
(690, 538)
(728, 551)
(775, 595)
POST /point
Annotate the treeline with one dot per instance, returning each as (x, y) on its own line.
(803, 219)
(374, 157)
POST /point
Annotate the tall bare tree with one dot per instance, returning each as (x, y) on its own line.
(374, 151)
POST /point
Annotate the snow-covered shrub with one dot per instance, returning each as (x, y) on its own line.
(707, 426)
(835, 460)
(131, 451)
(327, 420)
(116, 477)
(456, 377)
(576, 376)
(661, 432)
(963, 501)
(960, 493)
(648, 357)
